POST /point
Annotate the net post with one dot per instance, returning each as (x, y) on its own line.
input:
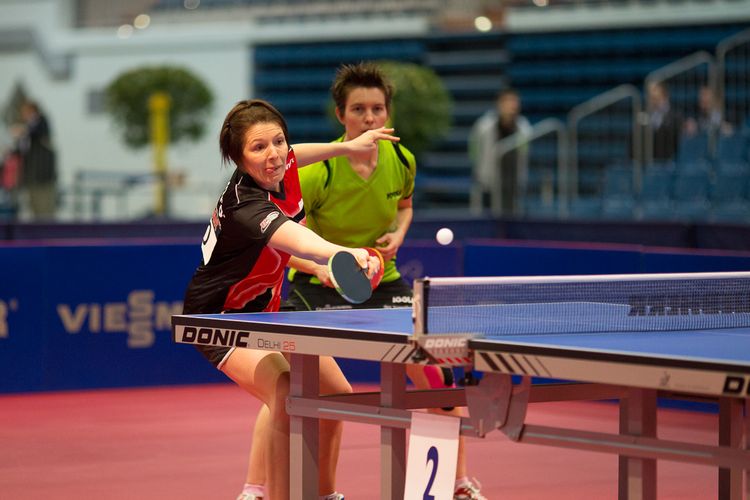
(419, 306)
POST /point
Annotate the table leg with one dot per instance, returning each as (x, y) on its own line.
(392, 440)
(637, 476)
(303, 431)
(731, 423)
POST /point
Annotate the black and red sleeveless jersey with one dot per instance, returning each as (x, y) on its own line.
(239, 271)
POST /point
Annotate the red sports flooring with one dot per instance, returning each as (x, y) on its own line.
(192, 442)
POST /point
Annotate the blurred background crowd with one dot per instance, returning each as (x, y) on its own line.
(528, 109)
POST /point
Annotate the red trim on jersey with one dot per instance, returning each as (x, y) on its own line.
(268, 271)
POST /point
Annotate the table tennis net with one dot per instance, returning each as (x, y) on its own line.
(582, 304)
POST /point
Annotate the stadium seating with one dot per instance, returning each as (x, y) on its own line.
(620, 208)
(618, 192)
(734, 212)
(693, 148)
(552, 71)
(732, 147)
(656, 192)
(618, 180)
(729, 187)
(690, 191)
(585, 207)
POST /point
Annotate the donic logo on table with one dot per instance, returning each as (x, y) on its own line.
(213, 336)
(230, 338)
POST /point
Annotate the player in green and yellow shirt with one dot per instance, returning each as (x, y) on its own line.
(367, 200)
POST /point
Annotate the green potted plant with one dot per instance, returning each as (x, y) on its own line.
(421, 107)
(158, 106)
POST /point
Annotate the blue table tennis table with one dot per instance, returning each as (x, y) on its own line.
(634, 367)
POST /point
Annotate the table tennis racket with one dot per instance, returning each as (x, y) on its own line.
(349, 278)
(378, 276)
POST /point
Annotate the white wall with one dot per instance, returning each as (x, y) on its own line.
(219, 55)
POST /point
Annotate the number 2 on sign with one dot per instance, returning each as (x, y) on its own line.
(433, 452)
(432, 456)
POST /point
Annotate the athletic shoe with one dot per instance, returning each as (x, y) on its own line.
(333, 496)
(248, 496)
(468, 491)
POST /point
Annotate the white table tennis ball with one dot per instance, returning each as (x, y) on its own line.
(444, 236)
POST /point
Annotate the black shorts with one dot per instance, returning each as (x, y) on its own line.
(216, 355)
(306, 296)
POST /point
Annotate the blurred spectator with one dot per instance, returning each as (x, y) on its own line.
(494, 125)
(10, 170)
(665, 122)
(38, 178)
(710, 119)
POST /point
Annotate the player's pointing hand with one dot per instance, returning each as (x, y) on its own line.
(369, 140)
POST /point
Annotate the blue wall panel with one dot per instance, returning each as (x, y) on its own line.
(95, 316)
(510, 259)
(685, 262)
(23, 325)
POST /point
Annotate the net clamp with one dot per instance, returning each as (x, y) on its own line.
(445, 349)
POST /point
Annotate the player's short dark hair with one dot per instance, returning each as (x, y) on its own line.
(240, 118)
(352, 76)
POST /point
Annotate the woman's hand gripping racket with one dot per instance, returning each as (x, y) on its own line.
(352, 281)
(378, 276)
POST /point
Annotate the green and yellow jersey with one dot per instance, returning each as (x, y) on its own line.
(348, 210)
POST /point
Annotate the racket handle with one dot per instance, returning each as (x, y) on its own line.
(378, 276)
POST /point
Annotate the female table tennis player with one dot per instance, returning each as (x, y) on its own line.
(253, 231)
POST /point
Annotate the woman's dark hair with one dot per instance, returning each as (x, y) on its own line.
(240, 118)
(352, 76)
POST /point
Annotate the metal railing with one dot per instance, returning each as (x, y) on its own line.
(734, 49)
(521, 144)
(599, 103)
(94, 191)
(685, 76)
(104, 195)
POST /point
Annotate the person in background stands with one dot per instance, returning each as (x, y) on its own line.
(504, 120)
(709, 119)
(666, 122)
(38, 178)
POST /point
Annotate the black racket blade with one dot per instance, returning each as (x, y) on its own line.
(349, 278)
